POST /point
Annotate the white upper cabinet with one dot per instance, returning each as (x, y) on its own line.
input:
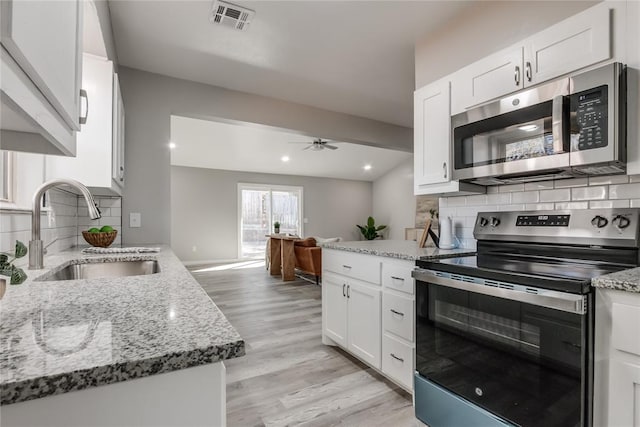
(432, 142)
(575, 43)
(431, 134)
(570, 45)
(99, 162)
(489, 78)
(41, 74)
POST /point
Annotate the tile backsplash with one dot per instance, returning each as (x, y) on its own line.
(618, 191)
(62, 223)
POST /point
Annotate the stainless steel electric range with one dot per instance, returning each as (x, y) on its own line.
(506, 337)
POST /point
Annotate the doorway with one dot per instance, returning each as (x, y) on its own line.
(259, 207)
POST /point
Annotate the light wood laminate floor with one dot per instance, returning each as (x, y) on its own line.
(288, 377)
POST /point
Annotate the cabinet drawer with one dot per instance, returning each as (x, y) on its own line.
(397, 315)
(624, 324)
(357, 266)
(397, 361)
(398, 276)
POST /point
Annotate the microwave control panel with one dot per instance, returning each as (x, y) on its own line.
(589, 124)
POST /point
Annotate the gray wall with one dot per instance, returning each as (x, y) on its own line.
(393, 201)
(485, 28)
(149, 101)
(204, 209)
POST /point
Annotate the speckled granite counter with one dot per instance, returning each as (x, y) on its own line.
(401, 249)
(627, 280)
(60, 336)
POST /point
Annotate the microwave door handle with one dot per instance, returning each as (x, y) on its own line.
(558, 124)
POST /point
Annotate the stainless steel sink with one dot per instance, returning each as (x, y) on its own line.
(104, 270)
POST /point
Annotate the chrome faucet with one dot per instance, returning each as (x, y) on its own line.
(36, 249)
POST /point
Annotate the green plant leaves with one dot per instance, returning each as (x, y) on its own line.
(16, 274)
(21, 249)
(370, 231)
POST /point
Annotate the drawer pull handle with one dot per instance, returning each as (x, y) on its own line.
(396, 357)
(346, 266)
(397, 312)
(343, 293)
(397, 278)
(348, 291)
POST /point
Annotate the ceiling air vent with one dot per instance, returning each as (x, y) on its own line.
(231, 15)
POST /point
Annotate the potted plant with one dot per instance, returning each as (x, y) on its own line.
(16, 274)
(276, 227)
(370, 231)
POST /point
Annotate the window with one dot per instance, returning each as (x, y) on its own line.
(259, 206)
(7, 176)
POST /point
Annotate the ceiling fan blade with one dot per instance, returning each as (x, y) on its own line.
(307, 147)
(300, 142)
(330, 147)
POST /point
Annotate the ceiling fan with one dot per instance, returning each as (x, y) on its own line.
(316, 145)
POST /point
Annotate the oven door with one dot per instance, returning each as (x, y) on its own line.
(515, 352)
(516, 137)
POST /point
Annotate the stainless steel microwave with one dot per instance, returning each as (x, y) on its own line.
(574, 126)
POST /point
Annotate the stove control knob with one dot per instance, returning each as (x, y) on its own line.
(494, 221)
(621, 222)
(599, 221)
(483, 221)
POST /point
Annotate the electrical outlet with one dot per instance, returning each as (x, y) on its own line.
(305, 220)
(135, 219)
(194, 249)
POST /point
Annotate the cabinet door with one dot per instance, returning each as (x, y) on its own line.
(117, 172)
(334, 309)
(45, 39)
(624, 394)
(490, 78)
(570, 45)
(364, 325)
(431, 134)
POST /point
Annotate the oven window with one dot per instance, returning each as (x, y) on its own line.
(521, 361)
(518, 135)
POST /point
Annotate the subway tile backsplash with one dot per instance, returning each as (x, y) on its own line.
(618, 191)
(62, 223)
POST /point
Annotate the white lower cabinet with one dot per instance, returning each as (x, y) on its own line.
(363, 322)
(368, 309)
(397, 360)
(617, 359)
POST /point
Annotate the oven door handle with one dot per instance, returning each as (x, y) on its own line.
(570, 303)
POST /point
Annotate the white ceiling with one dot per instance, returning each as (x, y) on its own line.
(217, 145)
(354, 57)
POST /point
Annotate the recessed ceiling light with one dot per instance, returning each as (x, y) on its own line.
(172, 145)
(528, 128)
(367, 167)
(285, 158)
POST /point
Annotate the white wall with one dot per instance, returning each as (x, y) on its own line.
(394, 204)
(204, 209)
(151, 99)
(484, 28)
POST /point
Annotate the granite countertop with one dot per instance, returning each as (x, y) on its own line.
(401, 249)
(627, 280)
(60, 336)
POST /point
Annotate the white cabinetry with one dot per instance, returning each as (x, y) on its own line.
(41, 75)
(432, 142)
(374, 323)
(351, 302)
(617, 359)
(398, 321)
(575, 43)
(100, 143)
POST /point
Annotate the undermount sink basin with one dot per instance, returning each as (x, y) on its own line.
(104, 270)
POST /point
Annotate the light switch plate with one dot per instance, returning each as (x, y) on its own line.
(135, 219)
